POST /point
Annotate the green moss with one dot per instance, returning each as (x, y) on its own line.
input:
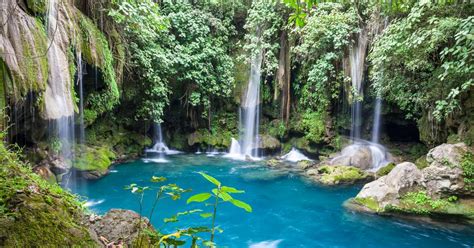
(37, 6)
(421, 162)
(385, 170)
(368, 202)
(340, 174)
(33, 63)
(33, 211)
(95, 51)
(93, 159)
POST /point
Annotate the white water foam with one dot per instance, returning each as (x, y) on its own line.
(294, 156)
(92, 203)
(155, 160)
(266, 244)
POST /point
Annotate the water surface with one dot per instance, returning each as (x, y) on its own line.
(288, 211)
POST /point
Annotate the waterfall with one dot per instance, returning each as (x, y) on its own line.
(377, 117)
(357, 58)
(159, 147)
(58, 95)
(80, 76)
(294, 156)
(378, 154)
(249, 114)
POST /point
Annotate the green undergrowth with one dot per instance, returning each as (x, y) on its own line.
(467, 165)
(33, 211)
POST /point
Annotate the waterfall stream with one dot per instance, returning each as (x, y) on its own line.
(247, 147)
(378, 154)
(159, 148)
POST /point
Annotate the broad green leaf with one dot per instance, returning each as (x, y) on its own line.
(156, 179)
(241, 204)
(231, 190)
(210, 179)
(171, 219)
(206, 215)
(199, 197)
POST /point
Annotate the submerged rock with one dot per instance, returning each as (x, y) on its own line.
(336, 175)
(119, 226)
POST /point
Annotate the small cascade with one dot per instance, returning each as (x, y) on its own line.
(378, 154)
(357, 55)
(80, 76)
(235, 150)
(160, 148)
(377, 117)
(294, 156)
(247, 147)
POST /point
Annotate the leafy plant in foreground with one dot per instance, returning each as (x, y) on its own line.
(219, 194)
(159, 239)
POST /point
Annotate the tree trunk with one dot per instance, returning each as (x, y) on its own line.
(283, 77)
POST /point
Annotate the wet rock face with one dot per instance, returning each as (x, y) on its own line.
(358, 156)
(119, 226)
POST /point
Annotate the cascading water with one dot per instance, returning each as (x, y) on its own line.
(294, 156)
(376, 122)
(378, 154)
(357, 59)
(58, 97)
(248, 145)
(160, 148)
(80, 76)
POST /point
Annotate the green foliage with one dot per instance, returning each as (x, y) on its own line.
(420, 60)
(467, 165)
(95, 50)
(312, 125)
(161, 190)
(182, 50)
(263, 25)
(219, 194)
(323, 41)
(421, 203)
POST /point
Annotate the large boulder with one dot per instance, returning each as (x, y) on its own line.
(268, 143)
(388, 189)
(354, 155)
(119, 226)
(444, 174)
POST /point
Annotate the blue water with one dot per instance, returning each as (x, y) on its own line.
(288, 211)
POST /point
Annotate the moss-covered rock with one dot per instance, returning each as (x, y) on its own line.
(385, 170)
(93, 162)
(34, 212)
(37, 6)
(339, 174)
